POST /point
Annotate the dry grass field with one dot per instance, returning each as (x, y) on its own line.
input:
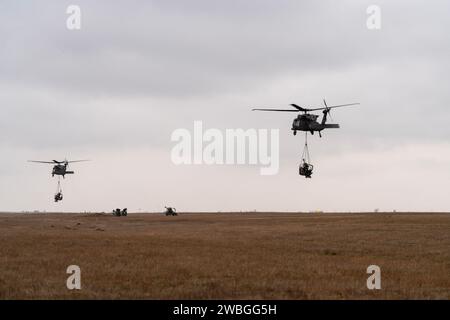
(225, 256)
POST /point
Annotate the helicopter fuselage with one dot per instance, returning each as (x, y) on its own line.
(60, 170)
(308, 122)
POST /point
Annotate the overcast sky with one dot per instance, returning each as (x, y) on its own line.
(116, 89)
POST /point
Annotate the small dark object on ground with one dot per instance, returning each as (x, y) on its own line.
(170, 211)
(118, 213)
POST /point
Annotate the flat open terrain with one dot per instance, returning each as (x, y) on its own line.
(221, 256)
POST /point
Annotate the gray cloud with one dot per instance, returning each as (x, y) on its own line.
(204, 47)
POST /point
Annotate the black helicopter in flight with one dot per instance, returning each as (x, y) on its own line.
(60, 167)
(308, 122)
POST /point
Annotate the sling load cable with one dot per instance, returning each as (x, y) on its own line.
(58, 194)
(305, 154)
(306, 167)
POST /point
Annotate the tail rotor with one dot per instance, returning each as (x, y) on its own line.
(326, 111)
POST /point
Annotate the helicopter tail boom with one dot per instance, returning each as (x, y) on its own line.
(331, 126)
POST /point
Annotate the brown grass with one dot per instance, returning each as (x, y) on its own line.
(225, 256)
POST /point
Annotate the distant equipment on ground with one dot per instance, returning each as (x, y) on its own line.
(170, 211)
(307, 122)
(120, 213)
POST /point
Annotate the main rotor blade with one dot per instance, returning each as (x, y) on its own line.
(77, 161)
(36, 161)
(338, 106)
(345, 105)
(299, 108)
(284, 110)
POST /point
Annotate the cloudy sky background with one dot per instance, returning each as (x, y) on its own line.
(115, 90)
